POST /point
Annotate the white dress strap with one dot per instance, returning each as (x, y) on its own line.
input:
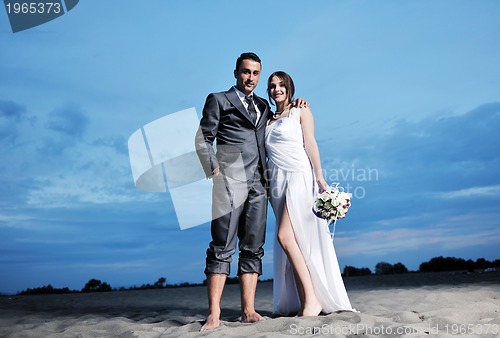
(295, 114)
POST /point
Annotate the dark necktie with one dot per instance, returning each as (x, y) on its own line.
(251, 109)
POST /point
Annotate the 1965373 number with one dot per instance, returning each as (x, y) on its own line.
(33, 8)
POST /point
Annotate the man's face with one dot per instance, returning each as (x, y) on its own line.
(247, 76)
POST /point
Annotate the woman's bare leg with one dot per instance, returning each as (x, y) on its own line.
(286, 237)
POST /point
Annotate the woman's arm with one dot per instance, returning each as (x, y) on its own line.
(307, 122)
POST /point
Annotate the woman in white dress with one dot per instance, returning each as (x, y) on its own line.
(307, 279)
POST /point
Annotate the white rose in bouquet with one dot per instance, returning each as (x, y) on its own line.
(332, 204)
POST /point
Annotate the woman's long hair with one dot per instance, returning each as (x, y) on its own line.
(287, 83)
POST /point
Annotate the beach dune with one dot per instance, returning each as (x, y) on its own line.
(408, 305)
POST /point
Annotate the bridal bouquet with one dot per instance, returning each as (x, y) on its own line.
(332, 204)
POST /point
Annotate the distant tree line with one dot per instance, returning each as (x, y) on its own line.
(46, 290)
(436, 264)
(95, 285)
(382, 268)
(351, 271)
(159, 284)
(452, 264)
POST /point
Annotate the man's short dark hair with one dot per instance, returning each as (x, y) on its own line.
(247, 56)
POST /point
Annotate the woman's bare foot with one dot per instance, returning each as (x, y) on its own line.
(251, 317)
(212, 322)
(312, 309)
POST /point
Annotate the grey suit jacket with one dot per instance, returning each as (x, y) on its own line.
(240, 144)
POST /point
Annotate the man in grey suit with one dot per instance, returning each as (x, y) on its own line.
(236, 120)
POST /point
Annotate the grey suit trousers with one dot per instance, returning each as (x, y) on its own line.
(245, 220)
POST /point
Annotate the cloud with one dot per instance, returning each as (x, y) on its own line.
(459, 139)
(88, 175)
(11, 110)
(436, 186)
(73, 189)
(14, 221)
(436, 154)
(11, 114)
(474, 192)
(53, 165)
(8, 131)
(65, 128)
(68, 119)
(119, 143)
(435, 230)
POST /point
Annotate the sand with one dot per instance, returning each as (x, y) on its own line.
(409, 305)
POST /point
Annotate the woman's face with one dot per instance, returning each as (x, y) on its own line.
(277, 90)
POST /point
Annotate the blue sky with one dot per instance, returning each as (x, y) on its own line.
(406, 98)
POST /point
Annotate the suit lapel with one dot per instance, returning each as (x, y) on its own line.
(235, 100)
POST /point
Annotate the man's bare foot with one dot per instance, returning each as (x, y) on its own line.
(212, 322)
(312, 309)
(251, 317)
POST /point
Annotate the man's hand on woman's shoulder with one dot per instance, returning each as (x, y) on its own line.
(300, 102)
